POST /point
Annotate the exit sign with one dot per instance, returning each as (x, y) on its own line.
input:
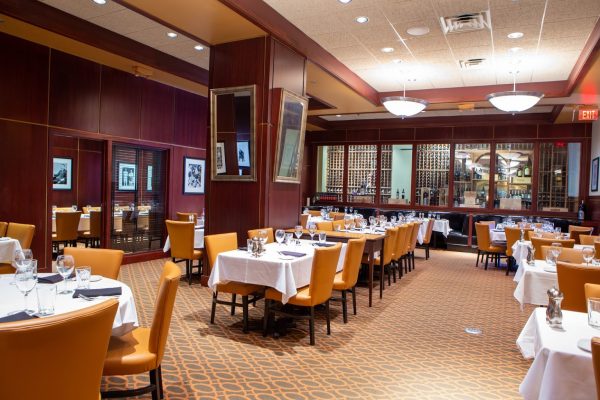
(588, 115)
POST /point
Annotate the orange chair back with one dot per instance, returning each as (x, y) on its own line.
(538, 243)
(575, 231)
(574, 256)
(3, 227)
(181, 236)
(589, 240)
(429, 231)
(27, 348)
(183, 216)
(400, 250)
(23, 233)
(325, 226)
(314, 213)
(105, 262)
(571, 281)
(304, 220)
(323, 272)
(215, 244)
(96, 223)
(591, 290)
(336, 215)
(482, 233)
(87, 210)
(67, 225)
(412, 245)
(596, 362)
(254, 233)
(338, 224)
(512, 235)
(354, 252)
(389, 245)
(163, 310)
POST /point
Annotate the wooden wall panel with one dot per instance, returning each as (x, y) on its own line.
(288, 69)
(563, 131)
(397, 134)
(158, 110)
(24, 71)
(473, 133)
(89, 178)
(428, 134)
(74, 92)
(363, 135)
(179, 201)
(190, 119)
(523, 132)
(120, 104)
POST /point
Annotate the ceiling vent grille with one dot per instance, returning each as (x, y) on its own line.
(472, 63)
(466, 22)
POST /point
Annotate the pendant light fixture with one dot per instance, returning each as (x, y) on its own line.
(403, 106)
(515, 100)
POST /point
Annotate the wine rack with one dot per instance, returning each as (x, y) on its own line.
(385, 182)
(362, 173)
(471, 175)
(334, 181)
(513, 177)
(553, 179)
(433, 166)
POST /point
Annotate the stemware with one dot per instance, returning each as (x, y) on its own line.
(263, 236)
(556, 249)
(298, 233)
(312, 228)
(64, 266)
(279, 235)
(23, 258)
(588, 254)
(347, 221)
(25, 281)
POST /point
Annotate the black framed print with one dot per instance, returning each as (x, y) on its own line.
(62, 169)
(594, 174)
(127, 177)
(193, 175)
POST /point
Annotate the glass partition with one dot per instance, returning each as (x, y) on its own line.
(433, 166)
(362, 173)
(558, 189)
(396, 173)
(471, 175)
(513, 176)
(330, 173)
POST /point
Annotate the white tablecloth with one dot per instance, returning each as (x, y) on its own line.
(497, 236)
(270, 270)
(126, 319)
(198, 240)
(560, 370)
(534, 283)
(519, 250)
(442, 226)
(8, 247)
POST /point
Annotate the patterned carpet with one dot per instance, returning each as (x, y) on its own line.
(410, 345)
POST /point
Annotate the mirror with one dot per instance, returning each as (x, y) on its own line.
(232, 123)
(290, 137)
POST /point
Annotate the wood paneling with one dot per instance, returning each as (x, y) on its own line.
(179, 201)
(24, 71)
(473, 132)
(158, 110)
(444, 133)
(74, 92)
(398, 134)
(515, 132)
(190, 119)
(288, 69)
(363, 135)
(120, 104)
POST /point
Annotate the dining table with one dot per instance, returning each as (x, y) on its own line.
(284, 267)
(8, 247)
(126, 318)
(562, 365)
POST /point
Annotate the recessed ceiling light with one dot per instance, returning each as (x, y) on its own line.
(172, 35)
(100, 1)
(515, 35)
(387, 49)
(515, 49)
(344, 1)
(396, 61)
(338, 115)
(199, 47)
(418, 30)
(362, 19)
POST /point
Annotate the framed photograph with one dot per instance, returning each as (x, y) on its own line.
(290, 137)
(61, 173)
(243, 154)
(220, 158)
(594, 174)
(193, 175)
(127, 177)
(149, 179)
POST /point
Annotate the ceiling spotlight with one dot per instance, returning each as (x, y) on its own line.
(199, 47)
(344, 1)
(515, 49)
(99, 1)
(387, 49)
(396, 61)
(362, 19)
(172, 35)
(338, 115)
(418, 31)
(515, 35)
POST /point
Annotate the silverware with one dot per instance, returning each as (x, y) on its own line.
(86, 298)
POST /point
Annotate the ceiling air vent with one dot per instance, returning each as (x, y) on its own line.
(472, 63)
(466, 22)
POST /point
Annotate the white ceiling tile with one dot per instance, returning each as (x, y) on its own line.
(84, 9)
(573, 27)
(469, 39)
(123, 22)
(335, 39)
(156, 36)
(350, 53)
(572, 9)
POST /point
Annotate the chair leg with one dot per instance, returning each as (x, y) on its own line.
(245, 313)
(427, 252)
(153, 381)
(233, 304)
(188, 268)
(389, 274)
(487, 256)
(160, 383)
(214, 308)
(381, 282)
(344, 307)
(477, 262)
(508, 265)
(311, 326)
(266, 316)
(413, 260)
(354, 299)
(328, 317)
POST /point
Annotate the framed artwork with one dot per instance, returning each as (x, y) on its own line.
(149, 179)
(127, 177)
(594, 174)
(220, 158)
(193, 175)
(290, 137)
(243, 154)
(61, 173)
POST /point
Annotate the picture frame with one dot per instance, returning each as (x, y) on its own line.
(243, 153)
(62, 171)
(127, 178)
(290, 137)
(220, 166)
(149, 178)
(194, 170)
(594, 175)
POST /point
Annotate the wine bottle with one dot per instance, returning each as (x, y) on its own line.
(581, 211)
(398, 194)
(527, 170)
(519, 172)
(402, 194)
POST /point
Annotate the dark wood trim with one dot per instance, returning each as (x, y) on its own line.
(586, 59)
(141, 257)
(555, 112)
(318, 121)
(62, 23)
(315, 103)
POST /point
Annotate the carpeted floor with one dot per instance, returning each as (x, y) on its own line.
(410, 345)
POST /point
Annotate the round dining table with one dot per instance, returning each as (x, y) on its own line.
(126, 319)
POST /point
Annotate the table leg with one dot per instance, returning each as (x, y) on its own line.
(370, 278)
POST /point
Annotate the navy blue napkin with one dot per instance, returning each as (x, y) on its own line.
(292, 253)
(50, 279)
(111, 291)
(324, 244)
(20, 316)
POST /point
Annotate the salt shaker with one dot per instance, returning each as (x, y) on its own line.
(554, 312)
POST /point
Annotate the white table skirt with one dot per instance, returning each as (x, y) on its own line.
(285, 276)
(560, 370)
(8, 247)
(126, 319)
(497, 236)
(534, 283)
(442, 226)
(198, 240)
(519, 250)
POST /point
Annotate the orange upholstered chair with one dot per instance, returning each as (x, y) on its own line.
(22, 232)
(575, 231)
(401, 250)
(105, 262)
(252, 233)
(539, 242)
(484, 245)
(3, 227)
(588, 240)
(220, 243)
(427, 237)
(591, 290)
(596, 363)
(181, 235)
(142, 349)
(317, 292)
(346, 279)
(314, 213)
(389, 246)
(412, 245)
(574, 256)
(304, 220)
(185, 216)
(571, 281)
(325, 226)
(37, 348)
(67, 229)
(92, 237)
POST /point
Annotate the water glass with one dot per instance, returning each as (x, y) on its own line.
(249, 246)
(46, 295)
(279, 235)
(322, 237)
(288, 238)
(64, 266)
(588, 254)
(298, 233)
(83, 275)
(312, 228)
(593, 307)
(25, 282)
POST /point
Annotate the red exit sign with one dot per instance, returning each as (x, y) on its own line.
(588, 115)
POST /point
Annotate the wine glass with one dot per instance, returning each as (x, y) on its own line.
(25, 282)
(262, 235)
(312, 228)
(298, 233)
(279, 235)
(64, 266)
(23, 258)
(556, 249)
(347, 219)
(588, 254)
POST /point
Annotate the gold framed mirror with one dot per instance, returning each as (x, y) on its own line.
(290, 137)
(233, 137)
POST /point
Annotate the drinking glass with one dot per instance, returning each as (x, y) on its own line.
(83, 275)
(347, 219)
(23, 258)
(74, 207)
(322, 237)
(311, 230)
(393, 219)
(46, 295)
(262, 235)
(64, 266)
(593, 308)
(191, 218)
(298, 233)
(588, 254)
(288, 238)
(25, 281)
(279, 235)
